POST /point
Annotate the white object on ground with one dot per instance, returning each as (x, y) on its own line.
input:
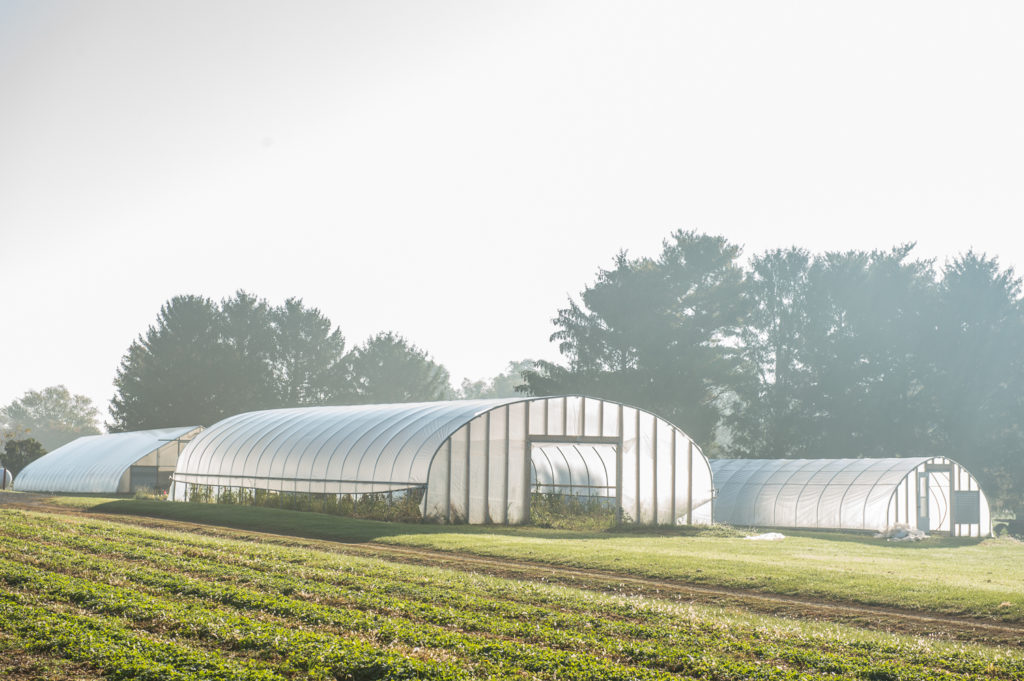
(901, 532)
(767, 536)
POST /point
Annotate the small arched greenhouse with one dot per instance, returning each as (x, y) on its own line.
(119, 463)
(933, 494)
(476, 461)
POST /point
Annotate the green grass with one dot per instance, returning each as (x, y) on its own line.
(80, 502)
(954, 576)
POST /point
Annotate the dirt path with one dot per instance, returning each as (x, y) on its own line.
(15, 499)
(920, 624)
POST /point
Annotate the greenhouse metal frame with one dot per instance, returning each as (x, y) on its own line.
(118, 463)
(473, 460)
(933, 494)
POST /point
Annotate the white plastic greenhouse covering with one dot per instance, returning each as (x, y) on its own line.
(6, 479)
(933, 494)
(117, 463)
(581, 470)
(475, 460)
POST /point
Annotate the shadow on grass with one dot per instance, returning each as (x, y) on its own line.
(341, 529)
(311, 525)
(868, 538)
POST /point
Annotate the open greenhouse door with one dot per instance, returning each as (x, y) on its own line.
(574, 484)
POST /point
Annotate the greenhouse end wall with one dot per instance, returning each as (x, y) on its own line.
(482, 473)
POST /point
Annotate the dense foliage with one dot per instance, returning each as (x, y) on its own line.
(656, 333)
(854, 354)
(19, 453)
(52, 416)
(203, 361)
(401, 505)
(387, 369)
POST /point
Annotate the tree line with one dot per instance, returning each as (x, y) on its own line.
(790, 355)
(203, 361)
(787, 354)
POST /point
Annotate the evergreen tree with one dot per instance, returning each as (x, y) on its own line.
(659, 333)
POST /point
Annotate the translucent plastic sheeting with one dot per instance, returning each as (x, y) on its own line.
(473, 456)
(325, 450)
(97, 464)
(580, 470)
(855, 494)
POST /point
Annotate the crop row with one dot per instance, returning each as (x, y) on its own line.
(374, 591)
(494, 658)
(313, 654)
(686, 649)
(118, 652)
(649, 645)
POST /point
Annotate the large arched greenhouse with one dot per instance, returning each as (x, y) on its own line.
(476, 461)
(933, 494)
(119, 463)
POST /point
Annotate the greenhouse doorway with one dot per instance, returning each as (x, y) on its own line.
(575, 484)
(935, 490)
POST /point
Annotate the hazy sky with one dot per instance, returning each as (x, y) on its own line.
(455, 170)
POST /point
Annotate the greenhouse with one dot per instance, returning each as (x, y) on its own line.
(476, 461)
(931, 494)
(119, 463)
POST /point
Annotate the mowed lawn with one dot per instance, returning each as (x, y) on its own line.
(983, 578)
(979, 578)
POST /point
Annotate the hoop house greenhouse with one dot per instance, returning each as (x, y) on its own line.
(119, 463)
(475, 461)
(931, 494)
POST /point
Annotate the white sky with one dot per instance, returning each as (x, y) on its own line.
(454, 170)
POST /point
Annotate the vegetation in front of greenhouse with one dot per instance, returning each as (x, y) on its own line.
(401, 506)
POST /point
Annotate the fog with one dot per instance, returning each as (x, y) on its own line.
(454, 171)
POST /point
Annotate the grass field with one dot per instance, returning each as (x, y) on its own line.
(954, 576)
(85, 598)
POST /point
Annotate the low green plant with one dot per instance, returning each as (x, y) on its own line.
(136, 602)
(571, 511)
(403, 505)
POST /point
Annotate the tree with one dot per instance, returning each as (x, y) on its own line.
(978, 391)
(309, 366)
(180, 372)
(871, 321)
(502, 385)
(202, 362)
(387, 368)
(657, 333)
(246, 327)
(769, 415)
(20, 453)
(838, 347)
(52, 416)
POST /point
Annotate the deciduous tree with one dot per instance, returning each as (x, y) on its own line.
(387, 368)
(502, 385)
(52, 416)
(20, 453)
